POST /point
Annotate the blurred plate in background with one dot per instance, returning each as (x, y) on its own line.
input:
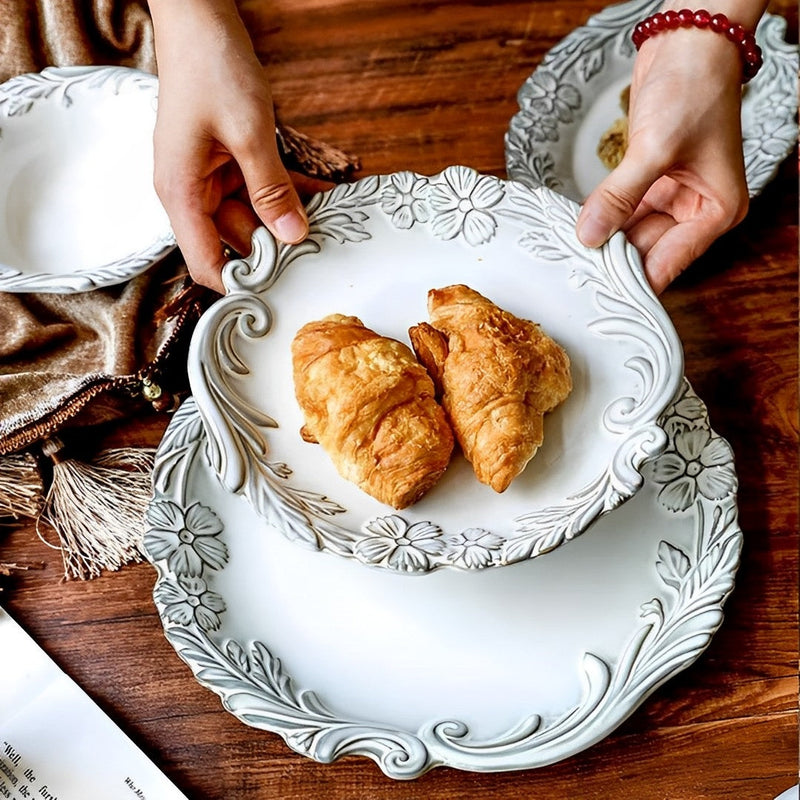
(573, 97)
(77, 205)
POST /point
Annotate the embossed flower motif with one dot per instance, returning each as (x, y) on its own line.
(474, 547)
(404, 547)
(539, 129)
(771, 136)
(547, 97)
(461, 203)
(699, 463)
(404, 199)
(186, 538)
(190, 599)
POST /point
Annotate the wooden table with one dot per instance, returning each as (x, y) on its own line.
(421, 85)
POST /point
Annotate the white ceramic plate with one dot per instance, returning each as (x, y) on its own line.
(498, 670)
(572, 98)
(77, 205)
(375, 249)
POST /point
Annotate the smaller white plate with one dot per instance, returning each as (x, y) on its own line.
(375, 249)
(78, 210)
(572, 98)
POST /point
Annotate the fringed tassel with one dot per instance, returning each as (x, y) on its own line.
(21, 487)
(97, 509)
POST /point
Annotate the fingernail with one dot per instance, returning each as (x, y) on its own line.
(593, 232)
(291, 227)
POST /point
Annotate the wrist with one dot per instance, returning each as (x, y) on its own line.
(746, 13)
(192, 9)
(195, 22)
(200, 32)
(670, 21)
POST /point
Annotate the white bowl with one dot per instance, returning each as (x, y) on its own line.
(77, 205)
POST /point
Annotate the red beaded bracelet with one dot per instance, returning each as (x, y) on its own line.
(719, 23)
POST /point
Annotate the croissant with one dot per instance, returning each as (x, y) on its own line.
(371, 406)
(497, 375)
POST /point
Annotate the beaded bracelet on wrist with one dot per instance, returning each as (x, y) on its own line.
(718, 23)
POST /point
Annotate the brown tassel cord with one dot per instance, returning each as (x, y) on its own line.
(97, 509)
(315, 158)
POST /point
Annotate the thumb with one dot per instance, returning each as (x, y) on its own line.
(273, 195)
(612, 203)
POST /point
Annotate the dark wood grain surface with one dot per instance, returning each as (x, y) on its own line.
(422, 85)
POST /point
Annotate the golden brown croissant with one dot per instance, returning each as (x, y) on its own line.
(371, 406)
(497, 374)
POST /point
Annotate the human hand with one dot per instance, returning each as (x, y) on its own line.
(681, 183)
(218, 172)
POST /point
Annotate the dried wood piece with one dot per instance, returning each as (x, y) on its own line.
(8, 568)
(314, 158)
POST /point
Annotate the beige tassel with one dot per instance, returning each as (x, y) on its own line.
(97, 509)
(21, 488)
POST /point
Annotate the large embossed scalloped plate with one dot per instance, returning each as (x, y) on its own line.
(375, 249)
(78, 210)
(572, 98)
(499, 670)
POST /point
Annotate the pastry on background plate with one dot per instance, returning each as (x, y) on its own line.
(498, 375)
(614, 141)
(371, 406)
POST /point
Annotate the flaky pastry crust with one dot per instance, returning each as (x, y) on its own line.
(498, 375)
(371, 406)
